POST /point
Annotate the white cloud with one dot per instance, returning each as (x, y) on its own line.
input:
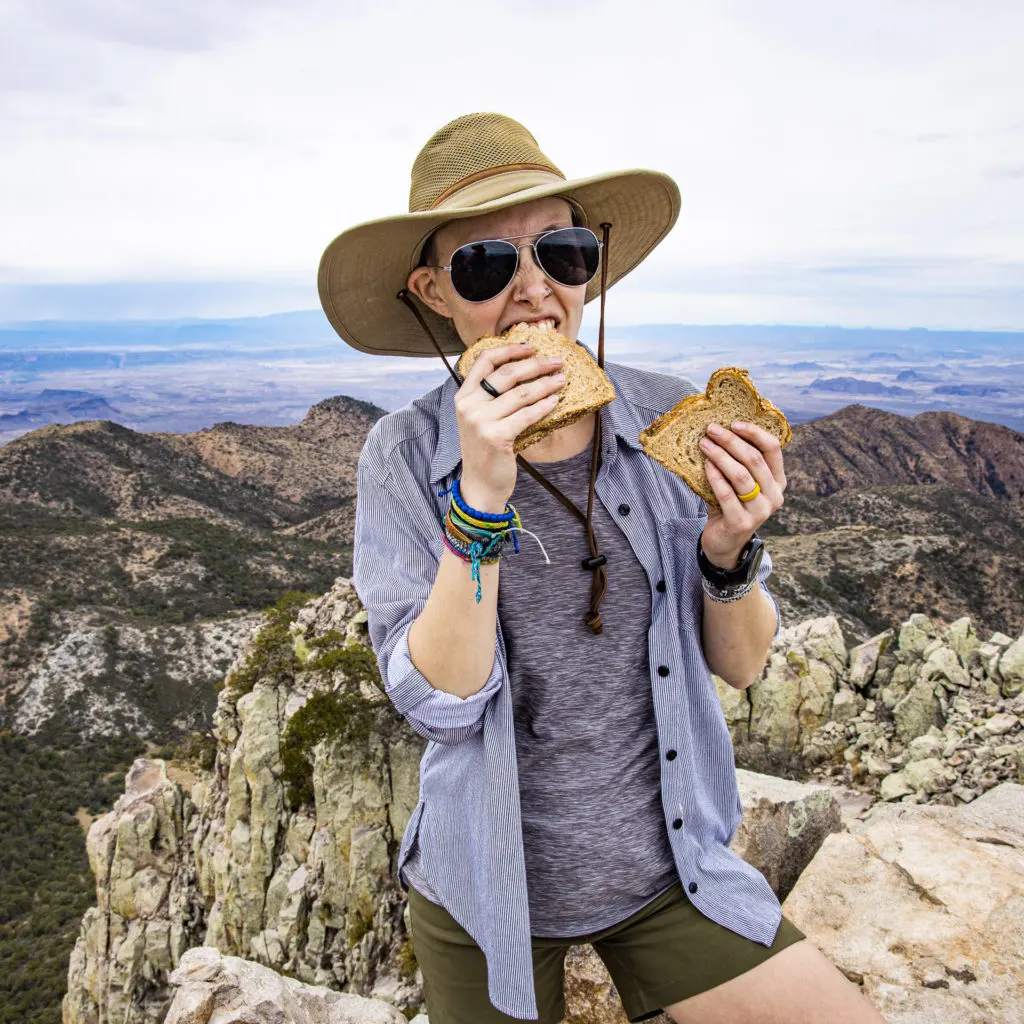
(227, 141)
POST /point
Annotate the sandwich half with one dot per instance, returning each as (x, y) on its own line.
(586, 388)
(673, 439)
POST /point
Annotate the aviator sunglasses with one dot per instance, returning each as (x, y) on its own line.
(482, 270)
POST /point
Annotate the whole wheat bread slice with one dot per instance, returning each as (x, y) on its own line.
(586, 388)
(673, 439)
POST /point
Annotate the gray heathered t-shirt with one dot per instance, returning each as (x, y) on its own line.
(586, 741)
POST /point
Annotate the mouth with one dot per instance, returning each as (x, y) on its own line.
(549, 323)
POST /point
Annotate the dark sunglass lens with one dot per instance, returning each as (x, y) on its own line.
(569, 255)
(482, 270)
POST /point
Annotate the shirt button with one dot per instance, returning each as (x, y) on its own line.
(663, 670)
(693, 887)
(660, 586)
(623, 509)
(670, 756)
(678, 823)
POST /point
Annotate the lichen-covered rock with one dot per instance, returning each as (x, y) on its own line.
(1011, 668)
(793, 698)
(863, 659)
(846, 705)
(307, 888)
(961, 637)
(942, 663)
(783, 825)
(916, 634)
(144, 918)
(924, 908)
(918, 711)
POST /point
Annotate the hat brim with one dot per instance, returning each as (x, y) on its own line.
(364, 268)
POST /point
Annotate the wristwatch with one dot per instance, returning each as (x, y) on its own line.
(731, 584)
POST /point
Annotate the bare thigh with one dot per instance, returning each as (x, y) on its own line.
(798, 985)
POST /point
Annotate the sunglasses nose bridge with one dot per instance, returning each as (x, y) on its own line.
(535, 268)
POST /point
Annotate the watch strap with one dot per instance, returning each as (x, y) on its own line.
(744, 571)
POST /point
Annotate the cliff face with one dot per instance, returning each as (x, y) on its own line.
(241, 859)
(285, 852)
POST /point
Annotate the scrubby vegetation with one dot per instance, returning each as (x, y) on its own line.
(342, 715)
(45, 881)
(272, 652)
(338, 712)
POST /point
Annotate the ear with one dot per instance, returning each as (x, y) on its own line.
(422, 283)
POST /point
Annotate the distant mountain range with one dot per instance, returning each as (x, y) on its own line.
(856, 386)
(55, 405)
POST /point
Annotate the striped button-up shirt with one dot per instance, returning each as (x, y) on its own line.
(467, 818)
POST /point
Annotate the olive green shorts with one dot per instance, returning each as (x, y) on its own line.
(665, 952)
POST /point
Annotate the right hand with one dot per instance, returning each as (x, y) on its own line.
(529, 384)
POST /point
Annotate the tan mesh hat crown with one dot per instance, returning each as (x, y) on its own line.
(476, 164)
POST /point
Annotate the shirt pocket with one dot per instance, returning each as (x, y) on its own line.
(678, 537)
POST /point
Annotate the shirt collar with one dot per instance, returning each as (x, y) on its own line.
(619, 418)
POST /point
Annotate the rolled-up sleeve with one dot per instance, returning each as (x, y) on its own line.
(396, 555)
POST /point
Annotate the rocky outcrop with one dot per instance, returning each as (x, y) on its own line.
(913, 714)
(235, 991)
(924, 908)
(284, 854)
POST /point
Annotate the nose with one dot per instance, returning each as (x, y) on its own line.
(531, 283)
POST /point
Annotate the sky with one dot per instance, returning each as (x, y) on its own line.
(855, 164)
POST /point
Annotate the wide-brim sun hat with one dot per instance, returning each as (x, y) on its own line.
(476, 164)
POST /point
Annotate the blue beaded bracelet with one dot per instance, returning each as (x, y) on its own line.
(487, 517)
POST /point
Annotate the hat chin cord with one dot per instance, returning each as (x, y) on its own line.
(596, 562)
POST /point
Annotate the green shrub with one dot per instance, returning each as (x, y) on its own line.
(272, 652)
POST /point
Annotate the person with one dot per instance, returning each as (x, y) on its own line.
(578, 785)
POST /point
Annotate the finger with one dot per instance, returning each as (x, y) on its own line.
(489, 360)
(742, 463)
(520, 370)
(767, 443)
(526, 394)
(738, 514)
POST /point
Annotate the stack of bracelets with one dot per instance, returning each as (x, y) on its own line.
(480, 538)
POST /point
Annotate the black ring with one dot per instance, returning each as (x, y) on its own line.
(489, 388)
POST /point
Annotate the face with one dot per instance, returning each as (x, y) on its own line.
(531, 296)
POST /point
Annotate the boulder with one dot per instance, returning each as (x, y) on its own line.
(783, 825)
(961, 637)
(846, 705)
(1011, 668)
(998, 725)
(924, 747)
(917, 711)
(864, 659)
(942, 663)
(230, 990)
(916, 634)
(924, 908)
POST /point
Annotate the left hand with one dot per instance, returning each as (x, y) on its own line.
(738, 459)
